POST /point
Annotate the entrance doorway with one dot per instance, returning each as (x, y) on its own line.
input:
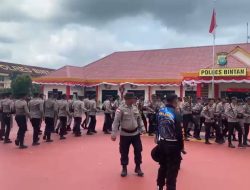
(163, 93)
(236, 92)
(106, 93)
(138, 93)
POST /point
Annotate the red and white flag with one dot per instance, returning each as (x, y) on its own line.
(213, 24)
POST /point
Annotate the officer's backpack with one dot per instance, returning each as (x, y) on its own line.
(166, 129)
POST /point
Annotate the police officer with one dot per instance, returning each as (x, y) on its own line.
(170, 143)
(186, 109)
(50, 109)
(196, 111)
(63, 113)
(142, 108)
(246, 108)
(2, 128)
(7, 106)
(220, 112)
(92, 115)
(36, 114)
(22, 111)
(152, 109)
(70, 116)
(208, 112)
(231, 111)
(107, 107)
(79, 109)
(127, 116)
(86, 120)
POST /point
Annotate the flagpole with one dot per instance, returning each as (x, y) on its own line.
(213, 66)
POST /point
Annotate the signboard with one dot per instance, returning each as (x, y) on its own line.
(223, 72)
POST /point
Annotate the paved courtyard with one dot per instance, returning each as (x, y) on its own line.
(92, 163)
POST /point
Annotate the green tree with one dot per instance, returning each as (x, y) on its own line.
(22, 84)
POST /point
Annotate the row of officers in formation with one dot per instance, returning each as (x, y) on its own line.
(223, 117)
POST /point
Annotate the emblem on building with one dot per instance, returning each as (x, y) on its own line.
(222, 58)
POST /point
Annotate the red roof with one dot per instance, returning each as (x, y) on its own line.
(150, 64)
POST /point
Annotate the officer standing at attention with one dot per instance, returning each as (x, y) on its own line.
(7, 106)
(79, 109)
(63, 113)
(127, 116)
(22, 112)
(36, 114)
(107, 112)
(50, 109)
(170, 143)
(196, 111)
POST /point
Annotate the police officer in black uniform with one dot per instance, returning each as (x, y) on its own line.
(170, 143)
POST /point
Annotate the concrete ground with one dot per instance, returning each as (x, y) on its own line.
(92, 163)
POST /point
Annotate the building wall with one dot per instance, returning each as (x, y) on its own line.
(79, 90)
(167, 88)
(48, 88)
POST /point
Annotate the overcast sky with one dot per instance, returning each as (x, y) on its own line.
(52, 33)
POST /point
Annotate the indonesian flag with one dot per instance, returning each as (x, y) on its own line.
(213, 24)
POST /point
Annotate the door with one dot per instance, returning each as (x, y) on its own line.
(138, 93)
(106, 93)
(163, 93)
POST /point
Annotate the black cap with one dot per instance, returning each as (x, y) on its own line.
(155, 153)
(129, 95)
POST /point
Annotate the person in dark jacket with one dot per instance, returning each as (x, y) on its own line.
(170, 143)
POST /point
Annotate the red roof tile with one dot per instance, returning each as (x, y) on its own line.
(150, 64)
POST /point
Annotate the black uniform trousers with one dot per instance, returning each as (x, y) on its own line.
(36, 128)
(197, 128)
(232, 126)
(92, 123)
(246, 132)
(208, 127)
(107, 126)
(125, 142)
(144, 119)
(86, 120)
(5, 126)
(49, 127)
(77, 125)
(152, 123)
(169, 160)
(224, 126)
(22, 124)
(63, 125)
(187, 118)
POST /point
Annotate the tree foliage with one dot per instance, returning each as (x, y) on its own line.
(22, 84)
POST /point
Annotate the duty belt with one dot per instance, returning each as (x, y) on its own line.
(129, 131)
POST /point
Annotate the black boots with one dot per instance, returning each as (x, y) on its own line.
(139, 171)
(124, 172)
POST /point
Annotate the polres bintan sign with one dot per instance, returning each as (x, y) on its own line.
(223, 72)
